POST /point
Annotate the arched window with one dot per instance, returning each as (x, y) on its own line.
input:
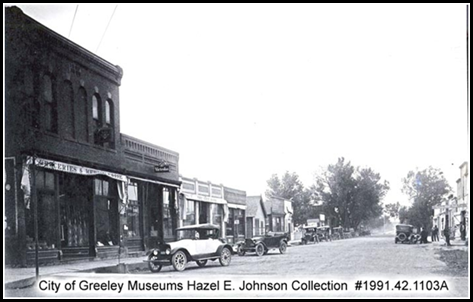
(109, 112)
(49, 102)
(82, 116)
(68, 99)
(95, 108)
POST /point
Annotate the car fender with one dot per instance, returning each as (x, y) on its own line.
(220, 248)
(175, 250)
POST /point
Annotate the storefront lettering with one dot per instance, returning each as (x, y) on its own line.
(69, 168)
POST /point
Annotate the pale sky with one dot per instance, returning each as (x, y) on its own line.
(243, 91)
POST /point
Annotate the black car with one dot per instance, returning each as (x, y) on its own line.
(310, 235)
(406, 233)
(262, 245)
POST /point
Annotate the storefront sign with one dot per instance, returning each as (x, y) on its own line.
(69, 168)
(162, 167)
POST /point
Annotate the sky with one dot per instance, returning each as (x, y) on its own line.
(244, 91)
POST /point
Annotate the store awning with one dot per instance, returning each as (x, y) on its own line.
(237, 206)
(70, 168)
(204, 198)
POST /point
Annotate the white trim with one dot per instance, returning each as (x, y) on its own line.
(205, 198)
(236, 206)
(154, 181)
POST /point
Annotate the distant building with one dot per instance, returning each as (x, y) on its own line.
(255, 216)
(455, 212)
(279, 212)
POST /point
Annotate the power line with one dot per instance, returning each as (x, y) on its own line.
(106, 28)
(73, 19)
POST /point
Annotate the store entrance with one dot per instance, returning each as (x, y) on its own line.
(76, 208)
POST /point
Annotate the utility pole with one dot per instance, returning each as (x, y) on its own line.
(35, 213)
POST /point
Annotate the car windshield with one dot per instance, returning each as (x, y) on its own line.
(197, 234)
(404, 228)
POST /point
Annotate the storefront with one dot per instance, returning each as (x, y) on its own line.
(236, 224)
(201, 202)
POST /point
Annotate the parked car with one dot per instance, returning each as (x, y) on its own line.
(406, 233)
(323, 232)
(310, 235)
(262, 245)
(198, 243)
(337, 233)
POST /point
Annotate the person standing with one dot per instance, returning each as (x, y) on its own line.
(446, 233)
(462, 231)
(435, 233)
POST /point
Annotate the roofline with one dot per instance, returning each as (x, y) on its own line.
(72, 46)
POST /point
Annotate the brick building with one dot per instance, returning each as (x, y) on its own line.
(96, 189)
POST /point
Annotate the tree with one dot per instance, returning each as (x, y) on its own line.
(426, 189)
(290, 187)
(351, 196)
(392, 209)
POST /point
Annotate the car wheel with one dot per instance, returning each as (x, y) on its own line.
(402, 237)
(282, 247)
(259, 249)
(154, 267)
(201, 263)
(225, 257)
(241, 251)
(179, 261)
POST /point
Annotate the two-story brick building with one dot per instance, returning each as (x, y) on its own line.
(95, 188)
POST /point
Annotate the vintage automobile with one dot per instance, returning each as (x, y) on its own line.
(262, 245)
(198, 243)
(337, 233)
(310, 235)
(323, 232)
(406, 233)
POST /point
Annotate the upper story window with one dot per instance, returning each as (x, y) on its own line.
(82, 116)
(68, 99)
(108, 112)
(49, 104)
(95, 108)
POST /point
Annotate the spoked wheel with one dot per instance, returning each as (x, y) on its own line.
(225, 257)
(154, 267)
(179, 261)
(259, 249)
(282, 247)
(201, 263)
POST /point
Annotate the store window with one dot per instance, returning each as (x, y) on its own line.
(133, 212)
(278, 224)
(257, 230)
(190, 212)
(47, 219)
(168, 205)
(106, 213)
(217, 214)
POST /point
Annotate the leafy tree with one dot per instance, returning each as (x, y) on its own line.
(426, 189)
(290, 187)
(392, 209)
(351, 196)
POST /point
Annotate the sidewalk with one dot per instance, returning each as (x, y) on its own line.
(24, 277)
(456, 244)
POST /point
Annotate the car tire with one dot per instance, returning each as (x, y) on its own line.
(259, 249)
(241, 251)
(401, 237)
(154, 268)
(201, 263)
(225, 257)
(179, 261)
(283, 247)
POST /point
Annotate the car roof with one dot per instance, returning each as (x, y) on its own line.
(401, 225)
(205, 226)
(310, 227)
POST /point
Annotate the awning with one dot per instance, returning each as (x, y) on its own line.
(237, 206)
(70, 168)
(154, 181)
(204, 198)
